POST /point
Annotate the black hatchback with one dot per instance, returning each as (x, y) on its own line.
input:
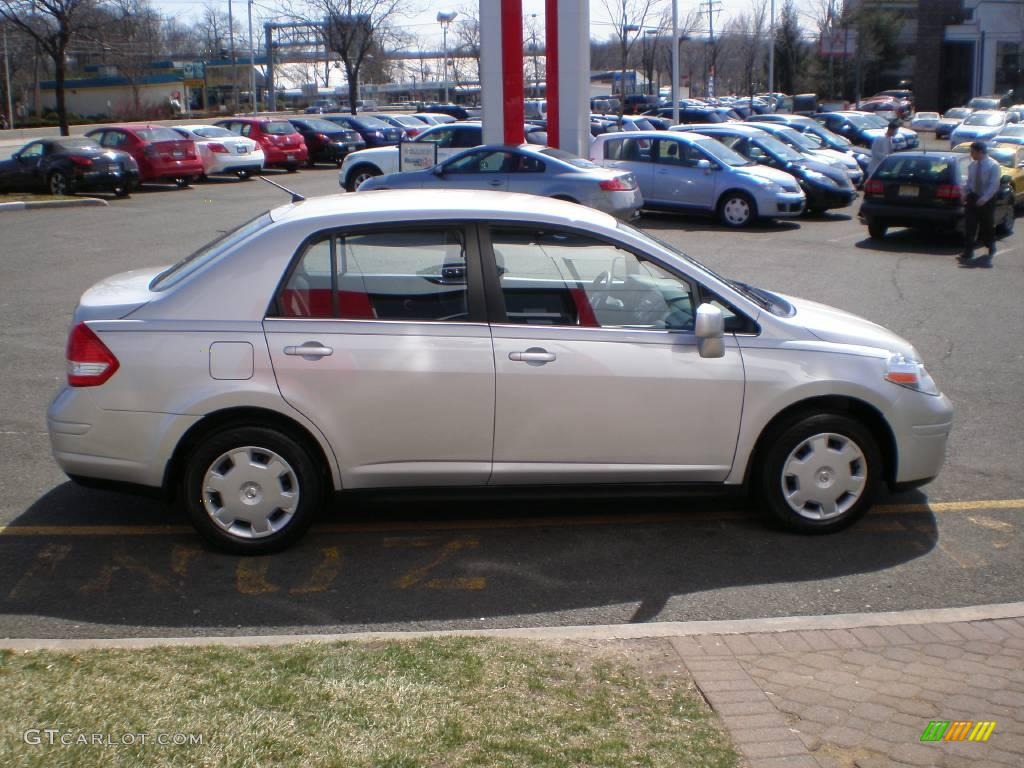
(62, 166)
(375, 132)
(925, 190)
(327, 142)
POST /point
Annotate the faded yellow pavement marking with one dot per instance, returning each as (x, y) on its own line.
(683, 515)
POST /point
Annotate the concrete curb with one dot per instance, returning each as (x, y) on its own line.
(598, 632)
(85, 202)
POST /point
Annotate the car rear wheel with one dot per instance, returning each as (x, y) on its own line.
(819, 473)
(182, 181)
(737, 209)
(122, 191)
(877, 229)
(358, 175)
(251, 490)
(1005, 227)
(292, 168)
(243, 175)
(58, 183)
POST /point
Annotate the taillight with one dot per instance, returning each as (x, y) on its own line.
(219, 148)
(873, 187)
(90, 363)
(321, 137)
(85, 162)
(949, 192)
(618, 184)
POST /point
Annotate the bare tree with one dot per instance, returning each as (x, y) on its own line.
(53, 24)
(359, 32)
(467, 41)
(131, 40)
(686, 26)
(747, 43)
(629, 17)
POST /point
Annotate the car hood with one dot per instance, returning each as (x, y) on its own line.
(117, 296)
(837, 326)
(977, 130)
(781, 178)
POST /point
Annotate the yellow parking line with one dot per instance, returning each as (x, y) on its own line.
(531, 522)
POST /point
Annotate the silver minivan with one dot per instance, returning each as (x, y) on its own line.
(696, 174)
(485, 339)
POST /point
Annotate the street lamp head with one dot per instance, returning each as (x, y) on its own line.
(446, 17)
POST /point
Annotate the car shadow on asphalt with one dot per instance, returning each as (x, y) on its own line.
(916, 241)
(119, 563)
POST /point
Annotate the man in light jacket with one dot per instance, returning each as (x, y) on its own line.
(881, 148)
(983, 177)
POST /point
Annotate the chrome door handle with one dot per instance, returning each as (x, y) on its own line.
(532, 355)
(311, 350)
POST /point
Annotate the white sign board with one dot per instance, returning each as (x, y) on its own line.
(416, 155)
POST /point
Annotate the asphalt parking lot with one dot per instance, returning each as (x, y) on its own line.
(75, 562)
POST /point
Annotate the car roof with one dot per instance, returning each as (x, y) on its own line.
(740, 128)
(399, 204)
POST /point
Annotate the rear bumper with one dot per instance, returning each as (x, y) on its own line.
(285, 156)
(224, 163)
(172, 170)
(903, 216)
(103, 181)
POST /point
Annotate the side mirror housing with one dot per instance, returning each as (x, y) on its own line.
(709, 328)
(704, 165)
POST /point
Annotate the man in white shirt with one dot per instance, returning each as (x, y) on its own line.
(983, 177)
(881, 147)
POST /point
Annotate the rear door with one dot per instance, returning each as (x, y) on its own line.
(379, 336)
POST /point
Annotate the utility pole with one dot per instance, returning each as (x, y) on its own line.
(712, 7)
(675, 62)
(7, 83)
(234, 63)
(771, 50)
(252, 65)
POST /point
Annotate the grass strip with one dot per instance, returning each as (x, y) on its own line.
(433, 703)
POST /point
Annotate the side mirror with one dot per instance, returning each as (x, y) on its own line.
(709, 328)
(438, 170)
(704, 165)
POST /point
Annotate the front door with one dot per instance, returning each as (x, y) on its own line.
(379, 338)
(599, 378)
(677, 179)
(484, 169)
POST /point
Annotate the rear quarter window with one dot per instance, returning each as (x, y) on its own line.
(157, 134)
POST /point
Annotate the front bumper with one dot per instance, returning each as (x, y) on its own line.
(823, 198)
(786, 205)
(921, 428)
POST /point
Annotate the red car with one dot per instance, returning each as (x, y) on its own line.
(161, 153)
(283, 146)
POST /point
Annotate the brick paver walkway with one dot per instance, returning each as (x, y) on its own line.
(862, 697)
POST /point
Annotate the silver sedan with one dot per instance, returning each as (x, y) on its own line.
(471, 338)
(534, 171)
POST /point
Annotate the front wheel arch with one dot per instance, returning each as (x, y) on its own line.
(240, 417)
(358, 170)
(840, 405)
(731, 194)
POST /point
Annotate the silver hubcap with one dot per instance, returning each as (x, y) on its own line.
(360, 178)
(57, 184)
(737, 210)
(250, 492)
(824, 476)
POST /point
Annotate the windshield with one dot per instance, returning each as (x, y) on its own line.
(777, 148)
(1012, 130)
(213, 132)
(566, 157)
(875, 121)
(322, 126)
(76, 143)
(278, 128)
(762, 298)
(371, 122)
(985, 118)
(957, 113)
(795, 139)
(206, 254)
(157, 134)
(827, 137)
(722, 153)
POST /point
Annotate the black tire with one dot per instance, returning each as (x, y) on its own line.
(182, 182)
(243, 175)
(300, 477)
(58, 183)
(358, 175)
(850, 482)
(877, 230)
(737, 209)
(292, 168)
(1005, 228)
(122, 191)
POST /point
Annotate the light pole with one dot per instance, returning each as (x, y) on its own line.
(7, 82)
(444, 19)
(771, 50)
(252, 65)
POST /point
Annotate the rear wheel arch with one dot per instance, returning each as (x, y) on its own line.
(230, 418)
(860, 411)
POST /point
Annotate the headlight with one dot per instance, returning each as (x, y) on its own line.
(910, 373)
(766, 184)
(817, 177)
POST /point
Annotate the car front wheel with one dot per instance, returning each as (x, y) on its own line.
(358, 175)
(737, 209)
(251, 490)
(819, 473)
